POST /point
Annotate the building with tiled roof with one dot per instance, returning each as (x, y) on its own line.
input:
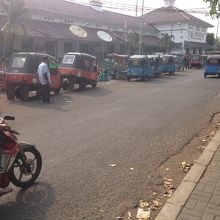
(49, 29)
(188, 32)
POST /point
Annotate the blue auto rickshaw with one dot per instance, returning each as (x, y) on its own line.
(169, 65)
(212, 66)
(138, 67)
(155, 65)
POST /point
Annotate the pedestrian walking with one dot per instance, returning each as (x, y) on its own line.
(2, 74)
(186, 61)
(45, 80)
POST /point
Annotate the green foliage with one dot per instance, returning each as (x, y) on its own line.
(210, 39)
(133, 41)
(18, 16)
(214, 8)
(166, 42)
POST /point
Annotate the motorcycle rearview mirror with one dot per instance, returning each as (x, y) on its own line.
(9, 118)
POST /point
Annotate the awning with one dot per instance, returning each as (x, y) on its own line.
(189, 44)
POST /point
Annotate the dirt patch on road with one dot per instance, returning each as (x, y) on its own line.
(170, 174)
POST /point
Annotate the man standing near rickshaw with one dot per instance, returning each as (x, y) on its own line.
(45, 80)
(2, 74)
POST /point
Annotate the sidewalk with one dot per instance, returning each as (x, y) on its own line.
(198, 196)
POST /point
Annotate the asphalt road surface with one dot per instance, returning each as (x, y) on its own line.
(130, 124)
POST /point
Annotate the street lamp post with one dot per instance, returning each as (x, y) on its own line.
(182, 39)
(141, 27)
(136, 10)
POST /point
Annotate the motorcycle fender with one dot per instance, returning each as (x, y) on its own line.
(23, 146)
(26, 145)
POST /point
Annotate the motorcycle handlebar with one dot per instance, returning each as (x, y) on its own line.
(5, 126)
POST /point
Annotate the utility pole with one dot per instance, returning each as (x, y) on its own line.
(216, 37)
(136, 10)
(141, 27)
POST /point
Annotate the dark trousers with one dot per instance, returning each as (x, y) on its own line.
(46, 93)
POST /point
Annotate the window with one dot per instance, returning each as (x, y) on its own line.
(196, 57)
(214, 61)
(136, 63)
(190, 27)
(69, 59)
(18, 62)
(203, 30)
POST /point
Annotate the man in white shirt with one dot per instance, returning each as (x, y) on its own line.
(45, 80)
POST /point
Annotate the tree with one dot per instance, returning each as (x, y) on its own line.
(133, 42)
(210, 39)
(214, 8)
(166, 42)
(18, 16)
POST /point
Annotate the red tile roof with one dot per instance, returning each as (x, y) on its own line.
(83, 11)
(167, 15)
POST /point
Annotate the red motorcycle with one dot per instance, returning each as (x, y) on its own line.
(20, 163)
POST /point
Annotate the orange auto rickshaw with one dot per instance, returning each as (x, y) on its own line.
(21, 76)
(78, 68)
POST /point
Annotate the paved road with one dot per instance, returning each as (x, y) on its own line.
(132, 124)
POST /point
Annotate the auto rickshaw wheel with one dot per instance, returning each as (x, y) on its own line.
(18, 92)
(71, 84)
(24, 90)
(82, 86)
(94, 84)
(205, 75)
(10, 91)
(65, 85)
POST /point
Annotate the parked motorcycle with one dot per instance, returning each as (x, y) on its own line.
(20, 163)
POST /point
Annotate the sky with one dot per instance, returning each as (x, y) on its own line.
(182, 4)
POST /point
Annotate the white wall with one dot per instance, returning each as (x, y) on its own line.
(183, 32)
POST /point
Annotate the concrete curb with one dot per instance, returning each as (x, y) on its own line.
(174, 205)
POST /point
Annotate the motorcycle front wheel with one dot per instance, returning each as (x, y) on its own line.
(26, 168)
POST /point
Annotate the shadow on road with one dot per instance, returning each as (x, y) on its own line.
(212, 77)
(94, 92)
(59, 101)
(32, 203)
(165, 78)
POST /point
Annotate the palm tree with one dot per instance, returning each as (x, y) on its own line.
(17, 20)
(133, 41)
(166, 42)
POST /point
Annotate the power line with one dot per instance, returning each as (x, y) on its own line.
(132, 8)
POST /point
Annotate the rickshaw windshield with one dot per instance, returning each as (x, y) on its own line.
(136, 63)
(69, 59)
(213, 61)
(18, 62)
(196, 57)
